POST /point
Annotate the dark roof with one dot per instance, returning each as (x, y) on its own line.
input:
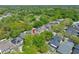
(72, 31)
(76, 49)
(16, 40)
(55, 42)
(77, 46)
(66, 47)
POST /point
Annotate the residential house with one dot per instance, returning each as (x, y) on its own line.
(6, 46)
(17, 41)
(66, 47)
(55, 42)
(76, 49)
(72, 31)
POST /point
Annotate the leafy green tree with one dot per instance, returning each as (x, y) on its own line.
(64, 33)
(30, 49)
(28, 46)
(74, 39)
(2, 33)
(44, 19)
(36, 43)
(67, 22)
(47, 35)
(58, 27)
(44, 48)
(37, 24)
(16, 28)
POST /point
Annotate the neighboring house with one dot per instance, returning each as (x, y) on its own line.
(76, 49)
(55, 42)
(76, 25)
(17, 41)
(6, 46)
(72, 31)
(66, 48)
(11, 45)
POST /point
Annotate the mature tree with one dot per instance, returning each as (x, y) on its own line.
(37, 24)
(3, 33)
(67, 22)
(36, 43)
(47, 35)
(74, 39)
(17, 27)
(58, 27)
(30, 49)
(44, 19)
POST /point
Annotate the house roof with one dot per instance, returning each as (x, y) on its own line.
(16, 40)
(76, 49)
(66, 48)
(72, 31)
(77, 46)
(6, 46)
(55, 42)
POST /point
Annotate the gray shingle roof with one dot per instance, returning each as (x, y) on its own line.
(76, 49)
(72, 31)
(6, 46)
(66, 48)
(77, 46)
(55, 42)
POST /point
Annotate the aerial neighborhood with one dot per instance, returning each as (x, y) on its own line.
(39, 30)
